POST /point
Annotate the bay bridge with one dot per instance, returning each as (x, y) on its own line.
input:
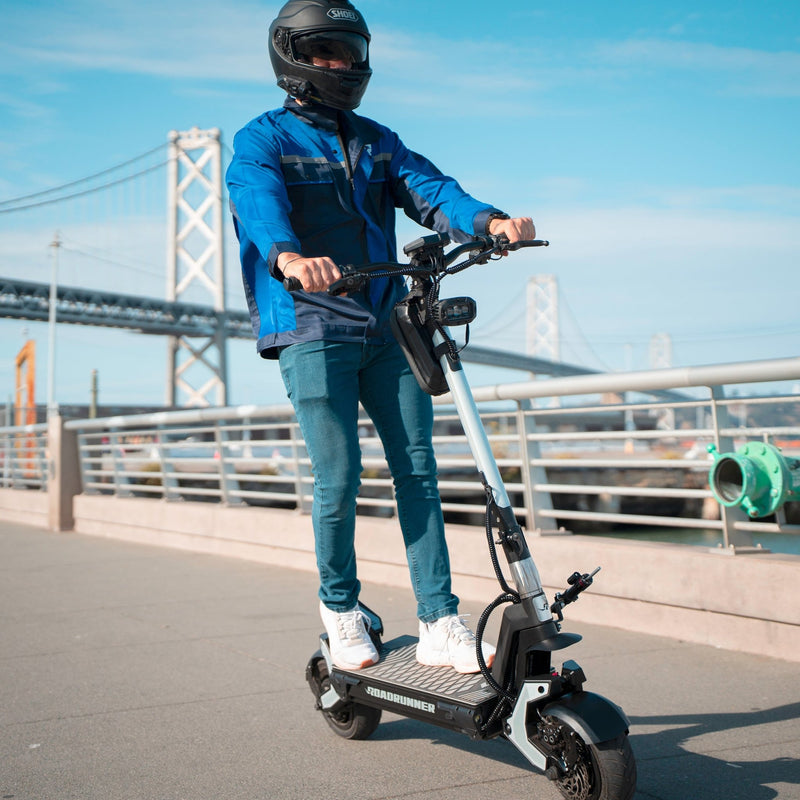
(197, 332)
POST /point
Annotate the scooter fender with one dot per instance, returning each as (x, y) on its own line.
(593, 717)
(336, 696)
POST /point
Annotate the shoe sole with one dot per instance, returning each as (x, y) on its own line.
(363, 665)
(469, 670)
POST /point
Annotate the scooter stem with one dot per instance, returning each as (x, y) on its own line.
(520, 562)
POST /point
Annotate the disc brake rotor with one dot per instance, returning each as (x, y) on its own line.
(576, 781)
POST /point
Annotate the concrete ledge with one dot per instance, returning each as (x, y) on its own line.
(30, 506)
(744, 603)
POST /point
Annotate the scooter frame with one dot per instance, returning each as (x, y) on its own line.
(562, 730)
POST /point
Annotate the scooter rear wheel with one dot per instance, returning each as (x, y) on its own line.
(353, 720)
(601, 771)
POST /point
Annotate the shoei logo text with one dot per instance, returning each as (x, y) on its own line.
(343, 13)
(401, 699)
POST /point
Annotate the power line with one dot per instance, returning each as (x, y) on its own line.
(106, 260)
(231, 294)
(86, 179)
(86, 191)
(501, 321)
(582, 335)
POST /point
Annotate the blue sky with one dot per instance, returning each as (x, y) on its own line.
(655, 145)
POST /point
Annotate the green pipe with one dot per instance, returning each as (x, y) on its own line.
(756, 477)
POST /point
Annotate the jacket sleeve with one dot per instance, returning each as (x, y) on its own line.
(258, 197)
(435, 200)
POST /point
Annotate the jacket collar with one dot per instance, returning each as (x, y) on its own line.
(322, 116)
(331, 119)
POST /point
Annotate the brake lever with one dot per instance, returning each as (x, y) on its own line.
(348, 283)
(500, 244)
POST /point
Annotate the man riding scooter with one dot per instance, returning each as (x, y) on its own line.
(312, 186)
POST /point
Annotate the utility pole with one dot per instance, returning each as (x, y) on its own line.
(93, 396)
(52, 407)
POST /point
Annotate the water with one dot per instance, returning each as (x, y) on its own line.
(788, 543)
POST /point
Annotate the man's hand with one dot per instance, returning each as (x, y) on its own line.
(515, 230)
(315, 274)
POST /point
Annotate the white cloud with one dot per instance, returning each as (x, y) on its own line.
(197, 41)
(180, 40)
(752, 71)
(783, 200)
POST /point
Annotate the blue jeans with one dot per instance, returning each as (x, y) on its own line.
(325, 382)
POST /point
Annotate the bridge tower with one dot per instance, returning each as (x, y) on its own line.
(661, 358)
(541, 330)
(196, 367)
(660, 351)
(541, 325)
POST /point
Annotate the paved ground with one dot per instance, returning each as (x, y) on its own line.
(137, 673)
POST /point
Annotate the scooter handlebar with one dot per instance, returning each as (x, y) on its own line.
(292, 284)
(355, 278)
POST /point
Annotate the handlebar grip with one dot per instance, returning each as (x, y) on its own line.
(292, 284)
(527, 243)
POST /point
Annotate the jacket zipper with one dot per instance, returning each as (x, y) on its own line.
(348, 169)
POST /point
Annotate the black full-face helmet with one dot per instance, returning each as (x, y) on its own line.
(331, 30)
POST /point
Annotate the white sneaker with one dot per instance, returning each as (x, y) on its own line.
(351, 647)
(448, 642)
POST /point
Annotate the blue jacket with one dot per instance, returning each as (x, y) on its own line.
(292, 190)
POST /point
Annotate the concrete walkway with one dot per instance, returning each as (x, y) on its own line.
(130, 672)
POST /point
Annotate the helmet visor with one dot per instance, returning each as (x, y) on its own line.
(338, 46)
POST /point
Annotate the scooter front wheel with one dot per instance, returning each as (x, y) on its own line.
(351, 720)
(585, 770)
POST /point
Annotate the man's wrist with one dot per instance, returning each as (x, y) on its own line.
(283, 260)
(495, 215)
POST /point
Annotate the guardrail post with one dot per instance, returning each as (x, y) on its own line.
(63, 474)
(8, 453)
(532, 473)
(226, 469)
(81, 440)
(41, 452)
(169, 483)
(118, 464)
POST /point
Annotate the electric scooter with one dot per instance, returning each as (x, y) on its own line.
(576, 738)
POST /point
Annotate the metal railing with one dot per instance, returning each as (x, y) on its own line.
(586, 453)
(23, 461)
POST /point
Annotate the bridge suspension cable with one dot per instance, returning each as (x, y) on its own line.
(21, 203)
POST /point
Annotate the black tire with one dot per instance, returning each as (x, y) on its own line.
(353, 721)
(601, 771)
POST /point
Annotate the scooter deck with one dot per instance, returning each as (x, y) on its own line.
(398, 669)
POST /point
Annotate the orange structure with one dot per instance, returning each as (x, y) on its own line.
(25, 395)
(25, 403)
